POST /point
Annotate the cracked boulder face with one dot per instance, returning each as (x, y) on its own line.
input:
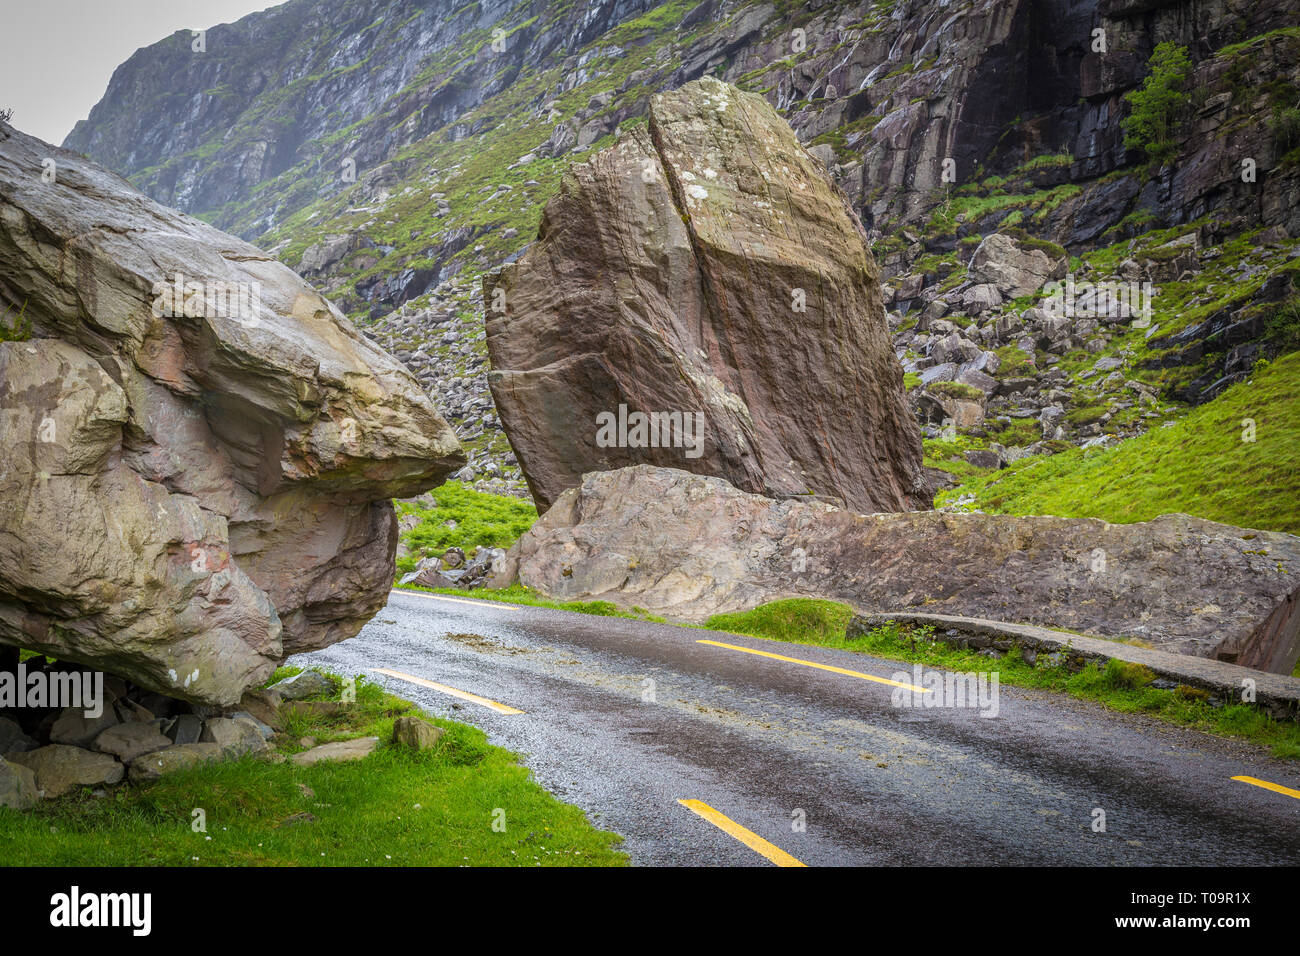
(688, 547)
(705, 274)
(199, 450)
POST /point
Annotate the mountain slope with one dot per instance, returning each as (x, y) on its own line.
(392, 151)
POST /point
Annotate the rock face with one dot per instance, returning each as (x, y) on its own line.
(703, 268)
(690, 546)
(195, 484)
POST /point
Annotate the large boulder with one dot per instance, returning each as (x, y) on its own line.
(1016, 269)
(199, 449)
(687, 546)
(703, 267)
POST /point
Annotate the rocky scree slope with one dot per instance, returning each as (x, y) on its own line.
(200, 449)
(456, 141)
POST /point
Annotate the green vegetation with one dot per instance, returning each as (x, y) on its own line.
(15, 326)
(1284, 124)
(1235, 460)
(958, 390)
(520, 594)
(817, 620)
(456, 515)
(1158, 103)
(1051, 161)
(1118, 685)
(397, 807)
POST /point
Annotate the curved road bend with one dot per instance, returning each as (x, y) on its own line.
(628, 719)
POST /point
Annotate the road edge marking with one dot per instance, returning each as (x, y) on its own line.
(824, 667)
(763, 848)
(1267, 785)
(448, 597)
(452, 691)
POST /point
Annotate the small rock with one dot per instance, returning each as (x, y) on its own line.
(17, 786)
(306, 684)
(76, 729)
(265, 729)
(128, 711)
(60, 768)
(153, 766)
(184, 729)
(340, 750)
(12, 737)
(983, 458)
(128, 741)
(236, 738)
(264, 705)
(416, 733)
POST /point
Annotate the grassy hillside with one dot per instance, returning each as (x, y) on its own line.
(455, 515)
(1204, 465)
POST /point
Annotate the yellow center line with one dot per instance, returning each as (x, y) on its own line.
(444, 597)
(444, 689)
(1275, 787)
(824, 667)
(748, 837)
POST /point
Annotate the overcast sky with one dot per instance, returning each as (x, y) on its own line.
(58, 55)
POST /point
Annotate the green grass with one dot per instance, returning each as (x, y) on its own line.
(520, 594)
(1119, 685)
(394, 808)
(15, 326)
(815, 619)
(482, 521)
(1200, 465)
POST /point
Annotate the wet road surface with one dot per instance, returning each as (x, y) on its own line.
(804, 763)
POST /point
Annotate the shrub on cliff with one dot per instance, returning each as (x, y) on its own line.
(1157, 104)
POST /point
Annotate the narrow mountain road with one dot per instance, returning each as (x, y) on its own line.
(708, 753)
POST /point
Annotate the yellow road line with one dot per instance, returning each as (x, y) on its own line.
(1275, 787)
(824, 667)
(748, 837)
(444, 689)
(444, 597)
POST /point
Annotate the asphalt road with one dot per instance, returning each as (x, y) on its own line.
(626, 719)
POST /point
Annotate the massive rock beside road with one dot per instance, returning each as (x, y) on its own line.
(199, 450)
(704, 266)
(687, 546)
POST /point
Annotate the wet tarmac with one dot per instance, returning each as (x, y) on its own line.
(625, 718)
